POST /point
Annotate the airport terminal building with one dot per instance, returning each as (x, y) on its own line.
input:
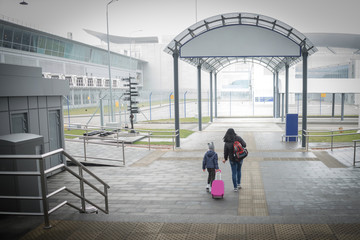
(333, 74)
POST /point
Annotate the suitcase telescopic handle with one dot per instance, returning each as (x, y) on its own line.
(218, 173)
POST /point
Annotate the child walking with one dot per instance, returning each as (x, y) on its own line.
(210, 162)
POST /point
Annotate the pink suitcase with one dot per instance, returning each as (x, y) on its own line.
(217, 187)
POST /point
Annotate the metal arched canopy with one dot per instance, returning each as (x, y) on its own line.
(246, 21)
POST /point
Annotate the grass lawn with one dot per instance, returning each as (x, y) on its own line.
(346, 138)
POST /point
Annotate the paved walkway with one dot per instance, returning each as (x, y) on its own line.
(287, 193)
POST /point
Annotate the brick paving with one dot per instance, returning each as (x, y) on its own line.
(287, 193)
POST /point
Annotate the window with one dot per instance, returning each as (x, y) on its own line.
(25, 41)
(1, 34)
(107, 83)
(19, 123)
(99, 82)
(33, 43)
(8, 35)
(17, 39)
(90, 82)
(69, 79)
(41, 44)
(114, 83)
(49, 45)
(79, 81)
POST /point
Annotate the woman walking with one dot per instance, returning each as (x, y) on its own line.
(229, 139)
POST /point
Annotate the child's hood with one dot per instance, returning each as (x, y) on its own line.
(210, 154)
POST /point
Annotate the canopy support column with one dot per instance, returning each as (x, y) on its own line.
(215, 75)
(199, 95)
(274, 95)
(176, 95)
(333, 105)
(286, 89)
(211, 97)
(342, 106)
(277, 95)
(304, 110)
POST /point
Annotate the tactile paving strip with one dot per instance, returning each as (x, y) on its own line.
(197, 231)
(252, 201)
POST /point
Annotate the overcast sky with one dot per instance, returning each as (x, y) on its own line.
(170, 17)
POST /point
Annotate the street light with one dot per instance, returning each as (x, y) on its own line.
(108, 43)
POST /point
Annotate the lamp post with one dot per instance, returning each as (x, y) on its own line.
(130, 49)
(108, 43)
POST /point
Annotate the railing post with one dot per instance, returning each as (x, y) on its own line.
(123, 152)
(106, 199)
(354, 153)
(43, 194)
(82, 190)
(173, 142)
(307, 139)
(84, 148)
(117, 138)
(332, 139)
(149, 138)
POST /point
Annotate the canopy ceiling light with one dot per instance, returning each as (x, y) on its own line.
(23, 3)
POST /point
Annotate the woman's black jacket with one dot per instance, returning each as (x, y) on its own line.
(229, 148)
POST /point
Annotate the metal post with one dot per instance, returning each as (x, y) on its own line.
(211, 98)
(199, 96)
(230, 103)
(176, 91)
(304, 109)
(320, 104)
(123, 151)
(109, 62)
(274, 95)
(43, 193)
(84, 148)
(354, 153)
(215, 88)
(286, 88)
(342, 106)
(101, 113)
(68, 111)
(150, 103)
(277, 96)
(332, 140)
(185, 104)
(82, 190)
(333, 105)
(120, 111)
(282, 107)
(170, 103)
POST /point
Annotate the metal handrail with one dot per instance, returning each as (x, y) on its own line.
(332, 135)
(43, 177)
(149, 135)
(355, 141)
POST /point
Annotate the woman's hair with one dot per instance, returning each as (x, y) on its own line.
(229, 135)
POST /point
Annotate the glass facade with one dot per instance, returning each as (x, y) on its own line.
(29, 40)
(338, 71)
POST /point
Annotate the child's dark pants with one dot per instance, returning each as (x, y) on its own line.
(211, 176)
